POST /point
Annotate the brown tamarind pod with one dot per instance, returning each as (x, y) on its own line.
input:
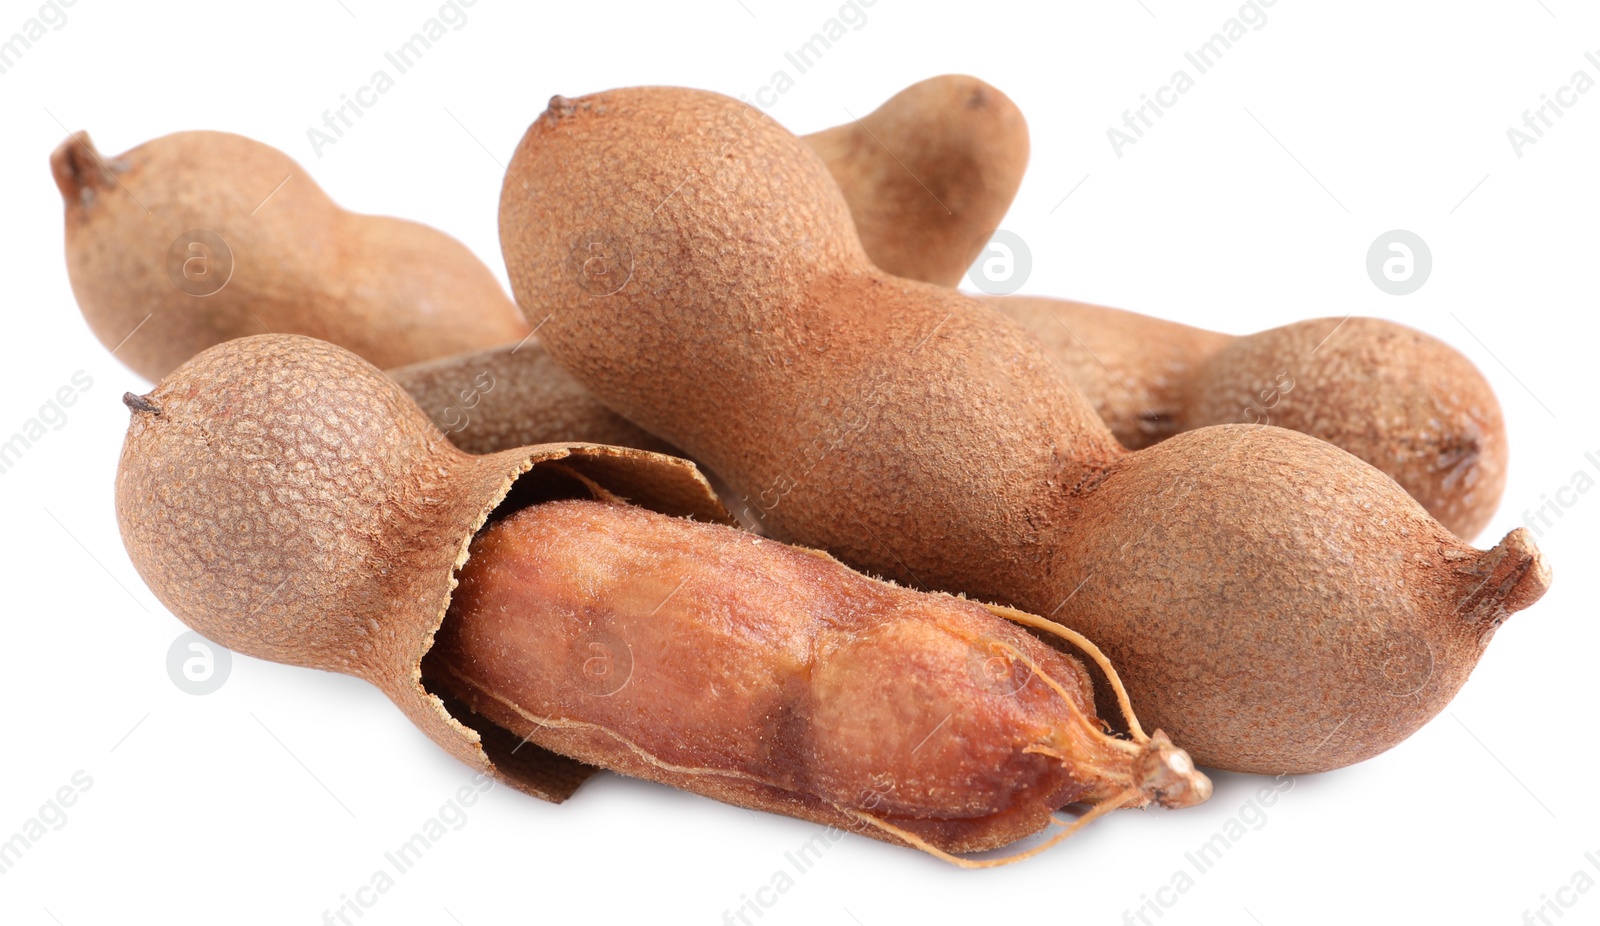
(197, 237)
(929, 174)
(286, 499)
(1407, 403)
(1260, 591)
(514, 396)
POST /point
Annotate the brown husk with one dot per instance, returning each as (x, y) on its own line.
(288, 501)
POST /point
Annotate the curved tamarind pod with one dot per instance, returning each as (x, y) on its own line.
(194, 238)
(708, 285)
(513, 396)
(286, 499)
(1407, 403)
(929, 174)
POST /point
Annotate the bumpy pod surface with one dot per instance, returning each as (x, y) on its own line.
(702, 276)
(194, 238)
(287, 500)
(513, 396)
(929, 174)
(1407, 403)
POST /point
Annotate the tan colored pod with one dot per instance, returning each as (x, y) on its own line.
(929, 174)
(1289, 603)
(1407, 403)
(197, 237)
(514, 396)
(285, 499)
(723, 302)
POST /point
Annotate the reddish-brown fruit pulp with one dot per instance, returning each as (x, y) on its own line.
(774, 677)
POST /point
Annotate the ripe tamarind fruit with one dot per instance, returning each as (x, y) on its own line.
(774, 677)
(929, 174)
(514, 395)
(1407, 403)
(197, 237)
(1260, 591)
(287, 500)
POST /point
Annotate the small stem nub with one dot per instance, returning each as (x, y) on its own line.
(1165, 774)
(79, 170)
(561, 107)
(140, 403)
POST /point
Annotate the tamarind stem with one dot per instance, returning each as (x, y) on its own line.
(79, 170)
(140, 403)
(1515, 575)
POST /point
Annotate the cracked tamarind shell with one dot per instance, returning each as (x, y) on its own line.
(287, 500)
(1273, 602)
(929, 174)
(516, 396)
(1406, 402)
(194, 238)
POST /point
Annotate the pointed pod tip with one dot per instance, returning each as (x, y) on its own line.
(1533, 573)
(1519, 559)
(139, 403)
(1497, 583)
(1168, 776)
(76, 166)
(560, 106)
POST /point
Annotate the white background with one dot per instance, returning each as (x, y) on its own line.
(1251, 204)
